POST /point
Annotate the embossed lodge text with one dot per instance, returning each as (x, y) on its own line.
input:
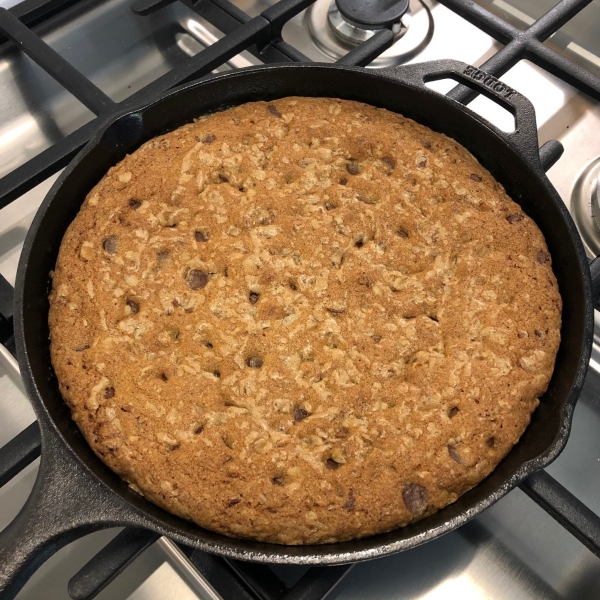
(490, 82)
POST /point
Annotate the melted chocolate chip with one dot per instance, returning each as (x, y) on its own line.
(352, 167)
(343, 181)
(223, 177)
(134, 306)
(234, 501)
(542, 257)
(349, 504)
(329, 206)
(208, 345)
(454, 455)
(514, 218)
(254, 362)
(253, 297)
(376, 338)
(491, 442)
(331, 464)
(415, 498)
(197, 279)
(402, 232)
(134, 204)
(110, 244)
(109, 392)
(273, 110)
(209, 139)
(538, 333)
(217, 373)
(422, 164)
(201, 236)
(293, 286)
(359, 243)
(475, 177)
(427, 145)
(389, 161)
(278, 480)
(300, 414)
(127, 408)
(453, 412)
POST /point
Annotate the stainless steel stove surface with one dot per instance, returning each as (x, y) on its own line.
(512, 550)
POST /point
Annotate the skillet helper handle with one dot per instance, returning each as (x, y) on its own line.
(65, 504)
(524, 137)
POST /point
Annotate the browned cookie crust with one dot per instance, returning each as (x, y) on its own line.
(302, 322)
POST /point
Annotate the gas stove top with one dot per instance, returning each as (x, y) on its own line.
(515, 549)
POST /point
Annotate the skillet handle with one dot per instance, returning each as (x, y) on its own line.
(65, 504)
(524, 137)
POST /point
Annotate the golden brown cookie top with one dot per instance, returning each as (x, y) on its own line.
(302, 321)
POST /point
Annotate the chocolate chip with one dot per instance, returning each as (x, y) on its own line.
(349, 504)
(453, 412)
(234, 501)
(163, 376)
(278, 480)
(293, 286)
(359, 243)
(81, 348)
(491, 442)
(162, 255)
(454, 455)
(254, 362)
(201, 236)
(427, 145)
(134, 306)
(300, 414)
(209, 139)
(127, 408)
(331, 464)
(422, 164)
(542, 257)
(376, 338)
(110, 244)
(134, 204)
(329, 205)
(253, 297)
(217, 373)
(389, 161)
(208, 345)
(197, 279)
(109, 392)
(402, 232)
(522, 334)
(343, 181)
(415, 498)
(352, 167)
(538, 333)
(273, 110)
(475, 177)
(514, 218)
(223, 177)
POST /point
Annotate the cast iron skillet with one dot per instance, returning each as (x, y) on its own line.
(76, 494)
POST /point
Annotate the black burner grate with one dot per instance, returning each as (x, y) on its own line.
(261, 36)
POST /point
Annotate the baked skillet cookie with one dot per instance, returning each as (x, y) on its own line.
(302, 321)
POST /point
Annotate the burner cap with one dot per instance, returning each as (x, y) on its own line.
(372, 14)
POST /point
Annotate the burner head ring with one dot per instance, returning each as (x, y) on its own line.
(372, 14)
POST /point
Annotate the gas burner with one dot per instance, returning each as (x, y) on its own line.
(585, 206)
(337, 26)
(355, 21)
